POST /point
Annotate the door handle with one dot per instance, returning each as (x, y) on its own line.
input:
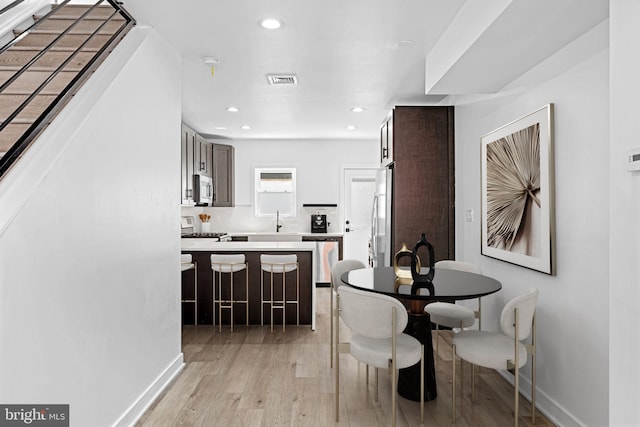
(346, 230)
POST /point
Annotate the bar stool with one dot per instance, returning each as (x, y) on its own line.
(228, 263)
(187, 263)
(279, 264)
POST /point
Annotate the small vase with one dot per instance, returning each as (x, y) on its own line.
(403, 273)
(415, 265)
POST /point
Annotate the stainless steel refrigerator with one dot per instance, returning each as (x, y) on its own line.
(380, 242)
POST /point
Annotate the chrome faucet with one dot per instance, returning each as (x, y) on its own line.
(278, 225)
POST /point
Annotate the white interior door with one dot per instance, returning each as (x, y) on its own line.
(359, 189)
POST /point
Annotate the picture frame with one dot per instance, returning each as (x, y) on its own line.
(518, 207)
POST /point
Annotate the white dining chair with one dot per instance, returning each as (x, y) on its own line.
(502, 350)
(339, 268)
(376, 322)
(449, 314)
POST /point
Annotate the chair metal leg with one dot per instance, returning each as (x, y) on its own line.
(366, 374)
(453, 385)
(533, 370)
(284, 300)
(473, 382)
(516, 388)
(376, 384)
(195, 294)
(331, 314)
(271, 304)
(422, 384)
(394, 401)
(337, 357)
(246, 295)
(232, 303)
(437, 343)
(261, 297)
(516, 352)
(219, 302)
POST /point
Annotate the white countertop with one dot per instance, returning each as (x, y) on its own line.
(303, 234)
(205, 244)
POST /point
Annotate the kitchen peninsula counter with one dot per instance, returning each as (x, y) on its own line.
(201, 250)
(195, 244)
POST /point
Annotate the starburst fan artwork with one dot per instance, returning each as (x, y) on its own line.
(513, 184)
(517, 192)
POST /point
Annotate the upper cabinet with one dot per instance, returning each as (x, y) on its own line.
(201, 157)
(386, 141)
(422, 151)
(187, 155)
(223, 170)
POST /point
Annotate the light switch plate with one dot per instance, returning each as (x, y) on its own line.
(468, 215)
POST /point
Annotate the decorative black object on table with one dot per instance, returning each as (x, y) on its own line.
(446, 285)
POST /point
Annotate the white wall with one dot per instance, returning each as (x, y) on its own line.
(572, 317)
(624, 208)
(89, 245)
(319, 166)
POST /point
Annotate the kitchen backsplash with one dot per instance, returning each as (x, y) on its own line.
(240, 219)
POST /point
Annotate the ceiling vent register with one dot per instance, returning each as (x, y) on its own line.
(282, 79)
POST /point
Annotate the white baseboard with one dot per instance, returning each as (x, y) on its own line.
(551, 409)
(146, 399)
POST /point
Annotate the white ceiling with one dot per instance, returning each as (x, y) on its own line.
(349, 53)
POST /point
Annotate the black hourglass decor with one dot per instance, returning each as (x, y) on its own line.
(422, 280)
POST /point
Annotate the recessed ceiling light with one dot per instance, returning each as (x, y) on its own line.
(351, 127)
(233, 109)
(245, 127)
(357, 109)
(221, 128)
(271, 23)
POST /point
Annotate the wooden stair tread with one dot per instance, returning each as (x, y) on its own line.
(76, 10)
(30, 80)
(14, 60)
(68, 41)
(10, 135)
(53, 49)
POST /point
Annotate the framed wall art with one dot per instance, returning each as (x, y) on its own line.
(518, 221)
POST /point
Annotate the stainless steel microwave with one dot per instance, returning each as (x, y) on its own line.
(202, 190)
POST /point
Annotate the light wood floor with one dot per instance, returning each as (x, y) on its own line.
(253, 377)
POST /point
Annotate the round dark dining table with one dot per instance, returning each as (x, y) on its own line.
(446, 285)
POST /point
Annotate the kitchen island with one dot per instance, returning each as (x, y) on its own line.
(201, 250)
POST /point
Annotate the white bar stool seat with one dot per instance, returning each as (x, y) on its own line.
(228, 264)
(273, 265)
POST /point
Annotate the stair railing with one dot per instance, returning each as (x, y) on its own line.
(16, 150)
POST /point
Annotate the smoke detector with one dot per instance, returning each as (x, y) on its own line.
(208, 60)
(282, 79)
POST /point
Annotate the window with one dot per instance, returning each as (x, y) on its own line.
(275, 191)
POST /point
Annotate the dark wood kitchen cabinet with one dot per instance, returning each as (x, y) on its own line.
(223, 179)
(208, 314)
(187, 157)
(203, 157)
(386, 141)
(422, 154)
(197, 157)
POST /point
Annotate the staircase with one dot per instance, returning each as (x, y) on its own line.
(44, 64)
